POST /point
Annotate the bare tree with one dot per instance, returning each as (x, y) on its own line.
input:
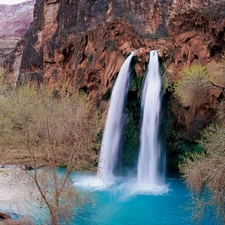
(204, 174)
(44, 133)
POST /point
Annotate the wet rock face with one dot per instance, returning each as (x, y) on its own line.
(89, 61)
(14, 22)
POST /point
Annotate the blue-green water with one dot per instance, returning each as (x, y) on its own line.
(118, 204)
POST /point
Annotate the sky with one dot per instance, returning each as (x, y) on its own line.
(9, 2)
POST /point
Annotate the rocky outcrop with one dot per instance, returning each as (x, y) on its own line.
(14, 22)
(6, 46)
(197, 36)
(5, 219)
(82, 44)
(4, 216)
(58, 23)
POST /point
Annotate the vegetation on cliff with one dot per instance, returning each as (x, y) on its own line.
(193, 102)
(192, 89)
(203, 170)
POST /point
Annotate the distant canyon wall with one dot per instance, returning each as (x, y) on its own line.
(14, 22)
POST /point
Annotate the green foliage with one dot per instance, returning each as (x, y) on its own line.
(173, 132)
(136, 85)
(132, 132)
(192, 89)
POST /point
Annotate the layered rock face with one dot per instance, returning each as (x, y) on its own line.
(14, 22)
(82, 45)
(72, 39)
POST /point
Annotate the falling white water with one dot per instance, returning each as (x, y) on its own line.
(149, 161)
(114, 124)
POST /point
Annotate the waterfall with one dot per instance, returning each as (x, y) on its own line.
(150, 163)
(115, 122)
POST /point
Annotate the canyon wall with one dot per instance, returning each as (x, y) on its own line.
(74, 44)
(14, 22)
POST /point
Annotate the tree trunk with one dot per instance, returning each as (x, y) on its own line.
(53, 215)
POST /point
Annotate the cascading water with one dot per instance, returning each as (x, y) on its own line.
(150, 175)
(114, 124)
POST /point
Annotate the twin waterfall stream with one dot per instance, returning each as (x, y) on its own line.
(114, 123)
(150, 163)
(150, 168)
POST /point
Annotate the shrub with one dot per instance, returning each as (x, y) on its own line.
(31, 118)
(193, 88)
(204, 173)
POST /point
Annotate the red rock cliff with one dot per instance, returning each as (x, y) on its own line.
(82, 44)
(69, 41)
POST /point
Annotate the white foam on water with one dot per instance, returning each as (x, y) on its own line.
(93, 182)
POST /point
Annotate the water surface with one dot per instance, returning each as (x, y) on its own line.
(118, 203)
